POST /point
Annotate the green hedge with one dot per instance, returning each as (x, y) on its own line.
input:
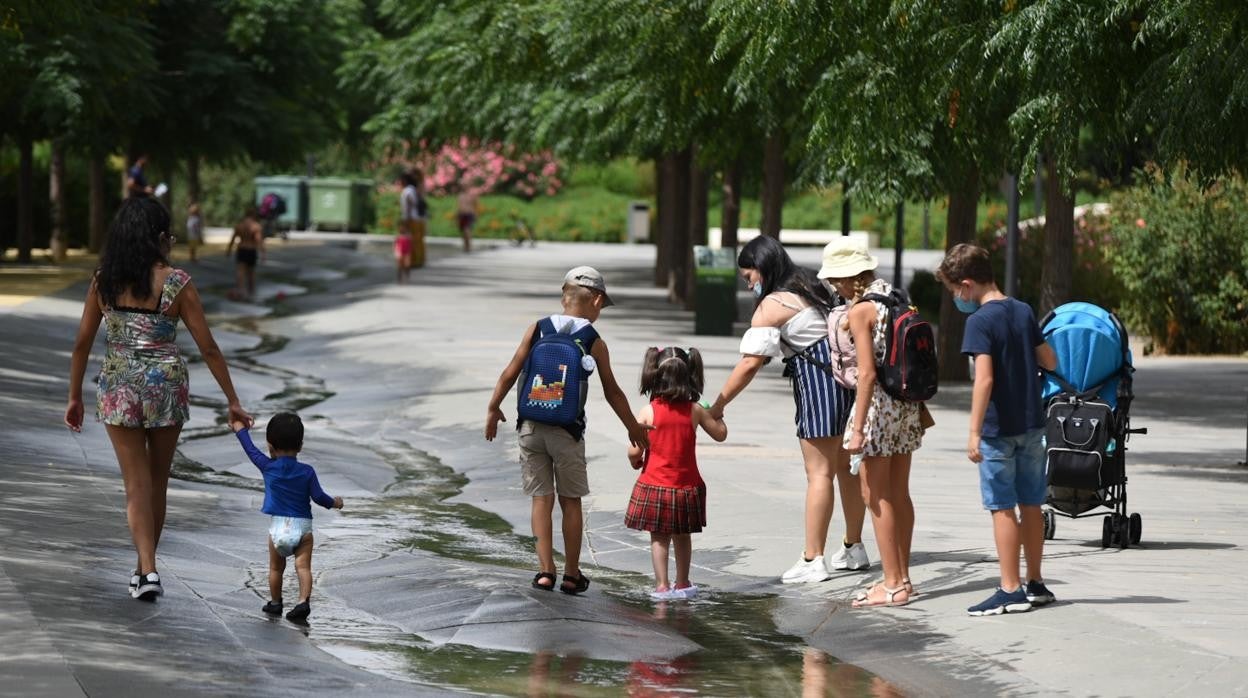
(1181, 254)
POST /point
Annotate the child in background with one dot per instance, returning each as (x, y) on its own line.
(669, 499)
(403, 254)
(288, 487)
(194, 230)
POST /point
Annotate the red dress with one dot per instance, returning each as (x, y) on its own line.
(670, 496)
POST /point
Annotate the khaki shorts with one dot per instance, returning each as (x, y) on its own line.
(552, 461)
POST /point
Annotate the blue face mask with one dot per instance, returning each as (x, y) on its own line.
(965, 306)
(757, 288)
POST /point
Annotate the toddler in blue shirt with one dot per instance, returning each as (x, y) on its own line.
(288, 487)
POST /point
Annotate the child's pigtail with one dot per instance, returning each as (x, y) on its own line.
(696, 379)
(649, 370)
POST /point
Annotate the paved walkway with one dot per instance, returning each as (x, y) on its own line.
(414, 366)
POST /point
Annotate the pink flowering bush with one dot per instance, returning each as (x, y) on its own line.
(480, 167)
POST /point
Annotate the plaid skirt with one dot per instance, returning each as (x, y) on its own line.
(661, 509)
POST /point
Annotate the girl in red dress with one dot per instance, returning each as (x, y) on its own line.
(669, 499)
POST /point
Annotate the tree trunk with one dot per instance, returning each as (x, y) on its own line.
(25, 198)
(192, 181)
(659, 235)
(699, 185)
(97, 216)
(1056, 279)
(773, 184)
(56, 197)
(730, 216)
(675, 223)
(959, 227)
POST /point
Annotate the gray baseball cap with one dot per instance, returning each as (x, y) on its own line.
(588, 277)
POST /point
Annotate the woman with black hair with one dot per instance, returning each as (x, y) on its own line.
(791, 322)
(142, 394)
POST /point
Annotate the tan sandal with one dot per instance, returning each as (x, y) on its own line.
(910, 590)
(863, 600)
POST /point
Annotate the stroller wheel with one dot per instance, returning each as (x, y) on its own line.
(1136, 526)
(1050, 524)
(1107, 531)
(1122, 536)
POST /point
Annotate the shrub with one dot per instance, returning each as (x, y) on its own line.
(1181, 254)
(1092, 280)
(486, 168)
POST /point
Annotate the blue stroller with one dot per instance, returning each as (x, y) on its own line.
(1088, 421)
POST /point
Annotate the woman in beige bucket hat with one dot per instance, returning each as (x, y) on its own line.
(882, 430)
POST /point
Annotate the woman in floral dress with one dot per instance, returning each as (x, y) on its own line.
(142, 388)
(884, 431)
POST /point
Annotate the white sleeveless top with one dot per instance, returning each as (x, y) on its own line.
(805, 328)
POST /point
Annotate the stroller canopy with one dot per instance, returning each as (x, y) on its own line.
(1091, 348)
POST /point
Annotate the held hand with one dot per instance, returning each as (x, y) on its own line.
(972, 449)
(73, 415)
(337, 502)
(237, 415)
(492, 418)
(637, 460)
(856, 442)
(716, 411)
(639, 435)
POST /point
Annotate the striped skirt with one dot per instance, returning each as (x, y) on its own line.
(822, 404)
(661, 509)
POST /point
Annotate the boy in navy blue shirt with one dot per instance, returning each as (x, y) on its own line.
(288, 487)
(1007, 421)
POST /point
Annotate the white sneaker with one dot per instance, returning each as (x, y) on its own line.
(852, 558)
(803, 571)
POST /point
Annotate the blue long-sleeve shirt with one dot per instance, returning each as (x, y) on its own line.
(288, 484)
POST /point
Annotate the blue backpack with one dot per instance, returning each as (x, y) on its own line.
(555, 381)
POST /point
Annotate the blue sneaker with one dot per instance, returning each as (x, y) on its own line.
(1002, 601)
(1038, 594)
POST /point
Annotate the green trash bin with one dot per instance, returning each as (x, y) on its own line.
(338, 202)
(715, 290)
(294, 191)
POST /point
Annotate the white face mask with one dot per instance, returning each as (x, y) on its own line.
(757, 288)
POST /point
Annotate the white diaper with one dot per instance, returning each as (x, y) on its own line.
(287, 532)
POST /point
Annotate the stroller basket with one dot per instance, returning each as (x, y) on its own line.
(1088, 400)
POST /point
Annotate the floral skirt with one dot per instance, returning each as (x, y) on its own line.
(893, 426)
(661, 509)
(150, 396)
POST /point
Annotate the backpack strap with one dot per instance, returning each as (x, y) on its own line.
(805, 353)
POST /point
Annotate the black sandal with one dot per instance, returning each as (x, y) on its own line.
(537, 581)
(582, 583)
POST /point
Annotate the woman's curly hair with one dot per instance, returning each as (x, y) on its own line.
(134, 246)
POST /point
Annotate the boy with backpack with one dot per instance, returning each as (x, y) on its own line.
(1007, 421)
(555, 360)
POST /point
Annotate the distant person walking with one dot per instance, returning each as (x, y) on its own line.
(467, 203)
(791, 322)
(413, 210)
(249, 234)
(143, 389)
(136, 180)
(194, 230)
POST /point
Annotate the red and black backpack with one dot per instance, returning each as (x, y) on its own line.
(908, 371)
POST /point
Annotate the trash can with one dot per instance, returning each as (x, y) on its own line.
(294, 191)
(715, 291)
(638, 221)
(337, 202)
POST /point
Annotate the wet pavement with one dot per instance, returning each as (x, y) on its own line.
(422, 580)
